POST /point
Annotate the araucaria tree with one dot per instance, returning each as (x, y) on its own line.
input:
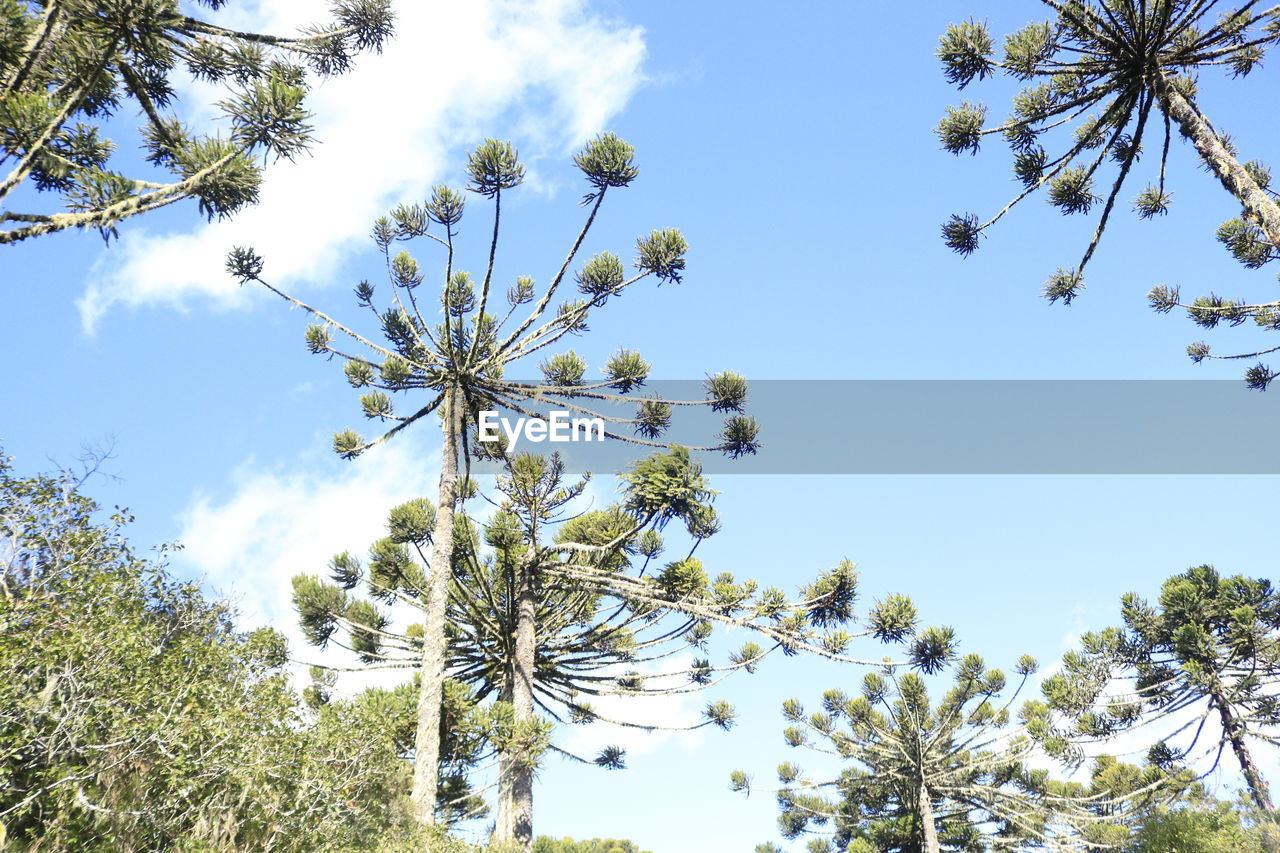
(1204, 659)
(923, 776)
(1123, 797)
(68, 66)
(551, 609)
(458, 366)
(1109, 80)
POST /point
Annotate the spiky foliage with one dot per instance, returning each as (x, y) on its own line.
(923, 775)
(1106, 81)
(458, 366)
(551, 611)
(1201, 667)
(1126, 796)
(67, 67)
(1200, 825)
(470, 352)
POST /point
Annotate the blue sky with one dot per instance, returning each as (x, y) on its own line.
(794, 149)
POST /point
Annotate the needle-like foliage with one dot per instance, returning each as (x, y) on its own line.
(459, 366)
(923, 775)
(1106, 81)
(1125, 797)
(67, 67)
(552, 612)
(1202, 666)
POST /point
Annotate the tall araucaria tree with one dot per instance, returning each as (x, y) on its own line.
(1202, 663)
(548, 610)
(67, 67)
(924, 776)
(459, 365)
(1110, 79)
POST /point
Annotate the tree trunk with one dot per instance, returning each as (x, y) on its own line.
(503, 827)
(1259, 207)
(517, 773)
(427, 737)
(927, 824)
(1233, 730)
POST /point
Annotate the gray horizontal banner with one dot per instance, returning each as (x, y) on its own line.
(943, 427)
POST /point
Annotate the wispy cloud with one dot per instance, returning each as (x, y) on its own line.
(553, 70)
(291, 520)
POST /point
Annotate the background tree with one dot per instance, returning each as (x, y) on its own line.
(1202, 825)
(68, 66)
(1150, 809)
(461, 362)
(134, 717)
(534, 625)
(544, 844)
(1110, 79)
(1123, 797)
(391, 713)
(923, 776)
(1205, 657)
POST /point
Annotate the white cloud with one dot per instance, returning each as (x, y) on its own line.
(550, 70)
(285, 522)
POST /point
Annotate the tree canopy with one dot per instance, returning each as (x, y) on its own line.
(553, 607)
(459, 365)
(544, 844)
(1105, 82)
(1200, 665)
(134, 716)
(68, 67)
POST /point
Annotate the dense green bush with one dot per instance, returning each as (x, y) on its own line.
(135, 717)
(544, 844)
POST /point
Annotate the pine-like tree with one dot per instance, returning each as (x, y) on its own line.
(1198, 825)
(1125, 797)
(68, 66)
(549, 610)
(1111, 78)
(923, 776)
(461, 363)
(1204, 658)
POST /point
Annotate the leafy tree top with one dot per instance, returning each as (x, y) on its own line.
(471, 350)
(609, 622)
(1127, 797)
(1105, 83)
(1203, 660)
(68, 66)
(134, 715)
(544, 844)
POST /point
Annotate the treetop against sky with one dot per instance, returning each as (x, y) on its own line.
(810, 186)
